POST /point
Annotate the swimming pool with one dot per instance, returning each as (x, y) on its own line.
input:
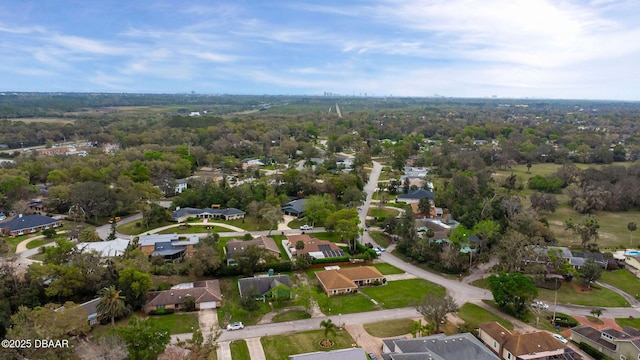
(632, 253)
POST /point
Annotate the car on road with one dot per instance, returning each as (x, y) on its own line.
(378, 252)
(235, 326)
(540, 305)
(560, 338)
(373, 356)
(380, 248)
(306, 227)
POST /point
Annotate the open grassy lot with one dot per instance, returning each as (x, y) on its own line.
(135, 228)
(380, 238)
(382, 213)
(474, 315)
(342, 304)
(47, 120)
(577, 296)
(402, 293)
(386, 269)
(249, 224)
(623, 280)
(568, 294)
(635, 322)
(178, 323)
(281, 346)
(389, 328)
(239, 349)
(291, 316)
(613, 233)
(231, 310)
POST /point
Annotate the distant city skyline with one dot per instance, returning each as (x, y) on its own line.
(562, 49)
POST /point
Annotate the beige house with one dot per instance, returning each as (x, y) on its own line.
(347, 280)
(235, 246)
(623, 345)
(539, 345)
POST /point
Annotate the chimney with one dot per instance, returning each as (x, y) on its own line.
(19, 216)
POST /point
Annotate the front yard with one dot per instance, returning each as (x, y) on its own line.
(402, 293)
(281, 346)
(474, 315)
(384, 329)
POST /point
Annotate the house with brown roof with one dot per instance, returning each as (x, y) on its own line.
(614, 343)
(234, 247)
(523, 346)
(207, 295)
(316, 248)
(347, 280)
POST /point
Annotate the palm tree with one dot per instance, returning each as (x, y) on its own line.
(329, 327)
(111, 304)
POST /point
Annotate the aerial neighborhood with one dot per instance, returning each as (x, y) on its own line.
(259, 227)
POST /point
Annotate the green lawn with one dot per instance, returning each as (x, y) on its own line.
(38, 242)
(278, 239)
(239, 349)
(568, 295)
(248, 223)
(14, 241)
(596, 297)
(291, 316)
(178, 323)
(231, 310)
(623, 280)
(389, 328)
(635, 322)
(403, 293)
(333, 237)
(386, 269)
(474, 315)
(281, 346)
(194, 229)
(382, 213)
(380, 238)
(132, 228)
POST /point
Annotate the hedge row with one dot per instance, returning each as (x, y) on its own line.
(597, 355)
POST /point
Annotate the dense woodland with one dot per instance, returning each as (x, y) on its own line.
(158, 143)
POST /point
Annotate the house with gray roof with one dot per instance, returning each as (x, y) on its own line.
(414, 196)
(28, 224)
(182, 214)
(342, 354)
(614, 343)
(169, 246)
(264, 286)
(437, 347)
(294, 208)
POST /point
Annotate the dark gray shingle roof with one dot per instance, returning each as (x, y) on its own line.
(27, 222)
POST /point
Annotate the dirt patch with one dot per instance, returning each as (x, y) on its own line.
(577, 288)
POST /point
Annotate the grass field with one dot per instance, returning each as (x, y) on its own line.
(194, 229)
(623, 280)
(231, 310)
(635, 322)
(343, 304)
(386, 269)
(179, 323)
(45, 120)
(402, 293)
(37, 242)
(291, 316)
(380, 238)
(239, 349)
(132, 228)
(474, 315)
(281, 346)
(382, 213)
(389, 328)
(613, 225)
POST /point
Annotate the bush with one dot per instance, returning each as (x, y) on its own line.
(593, 352)
(161, 312)
(331, 260)
(565, 320)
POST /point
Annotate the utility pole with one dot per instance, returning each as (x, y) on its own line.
(555, 302)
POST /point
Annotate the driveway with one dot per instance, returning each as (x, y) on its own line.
(208, 320)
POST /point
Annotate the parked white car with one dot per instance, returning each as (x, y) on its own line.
(306, 227)
(560, 338)
(540, 305)
(235, 326)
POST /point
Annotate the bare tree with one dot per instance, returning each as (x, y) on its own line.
(434, 308)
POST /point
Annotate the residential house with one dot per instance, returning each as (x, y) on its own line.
(523, 346)
(316, 248)
(576, 259)
(53, 151)
(207, 295)
(414, 196)
(274, 286)
(234, 246)
(182, 214)
(251, 163)
(169, 246)
(294, 208)
(623, 345)
(347, 280)
(106, 249)
(342, 354)
(181, 185)
(28, 224)
(91, 307)
(463, 346)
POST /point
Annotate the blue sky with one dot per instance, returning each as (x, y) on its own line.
(461, 48)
